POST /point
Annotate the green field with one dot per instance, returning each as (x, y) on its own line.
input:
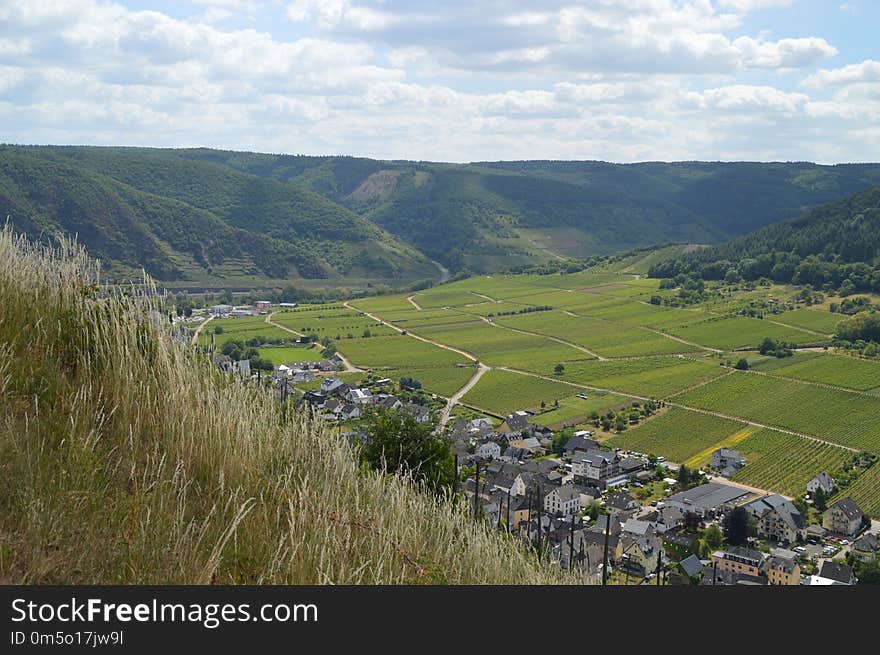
(837, 370)
(241, 329)
(652, 377)
(288, 355)
(499, 347)
(397, 351)
(784, 462)
(334, 323)
(503, 392)
(443, 380)
(818, 320)
(842, 417)
(574, 410)
(733, 332)
(602, 337)
(677, 434)
(866, 491)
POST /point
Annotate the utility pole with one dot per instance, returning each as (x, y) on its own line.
(540, 527)
(605, 556)
(455, 480)
(659, 554)
(571, 545)
(508, 511)
(477, 491)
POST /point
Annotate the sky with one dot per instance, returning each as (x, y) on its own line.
(449, 80)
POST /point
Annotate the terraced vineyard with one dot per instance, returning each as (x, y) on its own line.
(677, 434)
(818, 320)
(845, 418)
(784, 462)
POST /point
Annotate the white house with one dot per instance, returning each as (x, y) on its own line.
(565, 499)
(822, 481)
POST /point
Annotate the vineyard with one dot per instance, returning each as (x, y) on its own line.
(838, 370)
(784, 462)
(844, 418)
(866, 491)
(503, 392)
(677, 434)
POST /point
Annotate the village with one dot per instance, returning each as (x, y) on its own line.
(617, 516)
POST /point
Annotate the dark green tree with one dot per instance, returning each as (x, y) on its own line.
(397, 443)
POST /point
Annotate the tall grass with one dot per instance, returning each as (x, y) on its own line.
(126, 458)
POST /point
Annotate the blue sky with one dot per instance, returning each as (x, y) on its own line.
(619, 80)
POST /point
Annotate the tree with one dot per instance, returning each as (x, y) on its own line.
(739, 525)
(397, 443)
(367, 333)
(218, 329)
(684, 476)
(713, 537)
(820, 499)
(742, 364)
(559, 369)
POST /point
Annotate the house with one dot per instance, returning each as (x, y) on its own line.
(595, 465)
(530, 445)
(822, 481)
(334, 386)
(707, 499)
(843, 517)
(687, 571)
(518, 421)
(621, 502)
(488, 449)
(219, 310)
(359, 396)
(727, 461)
(737, 559)
(782, 570)
(838, 572)
(390, 403)
(642, 555)
(866, 547)
(262, 305)
(580, 442)
(479, 424)
(639, 529)
(316, 399)
(300, 375)
(777, 519)
(420, 413)
(565, 500)
(348, 411)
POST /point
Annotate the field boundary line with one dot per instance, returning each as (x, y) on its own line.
(544, 336)
(413, 302)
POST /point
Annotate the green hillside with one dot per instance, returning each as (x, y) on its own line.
(835, 247)
(218, 218)
(190, 220)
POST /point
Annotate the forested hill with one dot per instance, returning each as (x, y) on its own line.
(194, 220)
(833, 246)
(222, 218)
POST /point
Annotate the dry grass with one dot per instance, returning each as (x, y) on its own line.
(125, 458)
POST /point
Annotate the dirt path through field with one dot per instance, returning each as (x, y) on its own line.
(195, 336)
(457, 396)
(349, 367)
(545, 336)
(414, 303)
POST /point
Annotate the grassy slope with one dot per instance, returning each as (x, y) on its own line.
(124, 458)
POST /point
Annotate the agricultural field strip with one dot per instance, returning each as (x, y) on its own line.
(798, 327)
(728, 442)
(813, 383)
(702, 384)
(544, 336)
(648, 329)
(349, 367)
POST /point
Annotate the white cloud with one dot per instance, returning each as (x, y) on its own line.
(866, 71)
